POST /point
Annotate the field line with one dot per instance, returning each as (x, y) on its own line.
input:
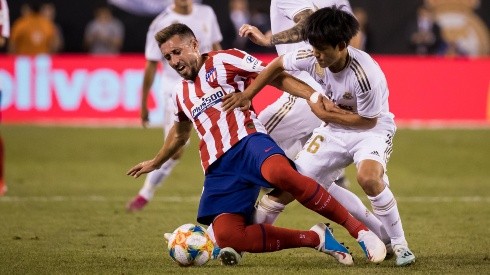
(95, 198)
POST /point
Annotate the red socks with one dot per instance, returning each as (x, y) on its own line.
(278, 171)
(230, 230)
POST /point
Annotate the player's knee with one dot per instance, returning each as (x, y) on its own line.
(371, 184)
(277, 169)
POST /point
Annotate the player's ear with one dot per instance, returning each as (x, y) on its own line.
(342, 45)
(195, 44)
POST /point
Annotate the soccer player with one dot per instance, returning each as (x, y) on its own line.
(4, 35)
(238, 157)
(354, 82)
(202, 20)
(288, 120)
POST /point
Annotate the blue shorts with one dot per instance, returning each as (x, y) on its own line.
(233, 182)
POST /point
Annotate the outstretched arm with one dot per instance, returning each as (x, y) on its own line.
(176, 139)
(274, 75)
(292, 35)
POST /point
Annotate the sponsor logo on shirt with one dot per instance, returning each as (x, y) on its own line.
(206, 102)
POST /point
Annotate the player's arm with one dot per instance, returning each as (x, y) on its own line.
(275, 75)
(148, 78)
(265, 77)
(325, 113)
(176, 139)
(292, 35)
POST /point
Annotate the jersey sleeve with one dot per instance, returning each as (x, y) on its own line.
(243, 64)
(290, 8)
(299, 60)
(369, 96)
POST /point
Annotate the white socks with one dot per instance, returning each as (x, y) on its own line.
(355, 206)
(155, 178)
(267, 211)
(385, 208)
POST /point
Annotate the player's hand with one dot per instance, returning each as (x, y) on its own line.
(255, 35)
(318, 107)
(144, 116)
(142, 168)
(235, 100)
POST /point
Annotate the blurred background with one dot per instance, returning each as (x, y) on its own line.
(463, 21)
(78, 82)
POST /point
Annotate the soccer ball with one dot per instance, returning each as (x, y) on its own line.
(189, 245)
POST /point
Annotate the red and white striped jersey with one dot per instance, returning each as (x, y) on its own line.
(199, 101)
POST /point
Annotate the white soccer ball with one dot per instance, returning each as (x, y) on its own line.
(190, 244)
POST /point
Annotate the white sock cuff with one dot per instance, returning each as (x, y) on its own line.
(383, 202)
(271, 206)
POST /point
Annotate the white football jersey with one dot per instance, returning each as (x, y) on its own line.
(202, 21)
(360, 87)
(283, 12)
(199, 101)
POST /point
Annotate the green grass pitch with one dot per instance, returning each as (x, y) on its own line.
(64, 212)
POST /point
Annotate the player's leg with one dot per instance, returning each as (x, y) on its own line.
(371, 159)
(3, 185)
(232, 184)
(322, 159)
(231, 230)
(152, 182)
(270, 206)
(279, 172)
(342, 180)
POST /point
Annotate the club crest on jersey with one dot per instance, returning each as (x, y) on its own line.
(206, 102)
(347, 95)
(211, 75)
(319, 71)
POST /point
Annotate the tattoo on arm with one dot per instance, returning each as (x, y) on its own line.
(293, 34)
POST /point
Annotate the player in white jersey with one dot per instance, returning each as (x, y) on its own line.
(354, 82)
(287, 119)
(202, 20)
(239, 158)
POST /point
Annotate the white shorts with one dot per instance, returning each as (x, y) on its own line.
(327, 152)
(290, 122)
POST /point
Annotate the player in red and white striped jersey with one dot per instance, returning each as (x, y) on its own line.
(202, 20)
(237, 156)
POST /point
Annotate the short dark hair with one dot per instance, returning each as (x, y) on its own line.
(174, 29)
(330, 26)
